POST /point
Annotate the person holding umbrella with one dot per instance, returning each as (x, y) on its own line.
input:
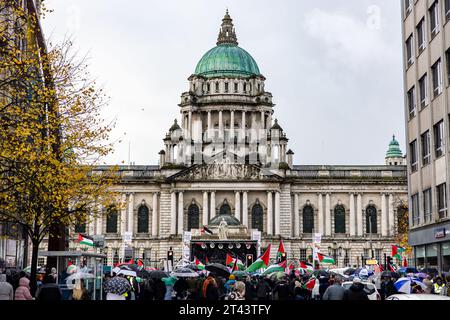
(387, 285)
(116, 288)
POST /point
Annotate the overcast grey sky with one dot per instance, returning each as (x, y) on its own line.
(334, 67)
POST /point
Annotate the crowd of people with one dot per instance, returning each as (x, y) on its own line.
(211, 287)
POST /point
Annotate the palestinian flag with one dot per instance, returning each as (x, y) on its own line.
(235, 263)
(139, 263)
(391, 268)
(311, 283)
(261, 262)
(85, 240)
(206, 229)
(306, 266)
(199, 265)
(397, 252)
(405, 262)
(281, 251)
(323, 259)
(279, 267)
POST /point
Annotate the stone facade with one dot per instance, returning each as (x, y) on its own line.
(230, 157)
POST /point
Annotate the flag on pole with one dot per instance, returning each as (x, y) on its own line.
(82, 239)
(199, 265)
(139, 263)
(306, 266)
(232, 262)
(397, 252)
(323, 259)
(391, 268)
(261, 262)
(280, 251)
(278, 267)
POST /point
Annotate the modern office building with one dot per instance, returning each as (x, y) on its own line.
(426, 43)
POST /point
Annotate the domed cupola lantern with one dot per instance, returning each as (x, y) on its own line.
(394, 154)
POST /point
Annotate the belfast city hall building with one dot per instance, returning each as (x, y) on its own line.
(226, 161)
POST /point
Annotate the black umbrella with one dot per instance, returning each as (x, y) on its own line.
(142, 273)
(157, 274)
(387, 274)
(117, 285)
(320, 273)
(218, 269)
(349, 271)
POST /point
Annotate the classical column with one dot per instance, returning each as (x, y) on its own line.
(180, 213)
(391, 215)
(262, 120)
(320, 214)
(155, 215)
(237, 209)
(99, 228)
(213, 204)
(173, 212)
(359, 216)
(245, 208)
(232, 123)
(352, 215)
(384, 218)
(130, 213)
(123, 215)
(269, 213)
(190, 124)
(205, 208)
(277, 213)
(220, 124)
(209, 125)
(327, 215)
(243, 121)
(296, 217)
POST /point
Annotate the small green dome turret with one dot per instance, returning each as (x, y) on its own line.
(227, 58)
(394, 149)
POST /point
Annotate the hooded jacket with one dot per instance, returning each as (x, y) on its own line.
(356, 292)
(23, 291)
(6, 289)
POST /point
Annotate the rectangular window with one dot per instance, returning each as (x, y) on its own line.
(441, 192)
(439, 138)
(226, 86)
(427, 205)
(421, 43)
(447, 58)
(437, 78)
(303, 255)
(208, 88)
(426, 152)
(447, 9)
(346, 257)
(408, 7)
(217, 87)
(415, 209)
(409, 50)
(423, 91)
(235, 87)
(413, 152)
(412, 102)
(434, 18)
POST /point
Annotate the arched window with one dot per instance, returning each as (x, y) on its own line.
(371, 216)
(193, 217)
(80, 228)
(339, 219)
(308, 219)
(225, 209)
(142, 222)
(258, 217)
(111, 220)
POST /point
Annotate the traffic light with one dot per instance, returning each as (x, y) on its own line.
(170, 255)
(249, 259)
(283, 257)
(389, 261)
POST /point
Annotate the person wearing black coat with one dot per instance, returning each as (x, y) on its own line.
(356, 291)
(49, 291)
(281, 291)
(387, 288)
(181, 286)
(250, 289)
(160, 289)
(212, 293)
(323, 286)
(263, 289)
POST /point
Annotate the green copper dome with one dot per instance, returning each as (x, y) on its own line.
(227, 60)
(394, 149)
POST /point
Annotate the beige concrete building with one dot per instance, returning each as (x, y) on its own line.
(226, 161)
(426, 36)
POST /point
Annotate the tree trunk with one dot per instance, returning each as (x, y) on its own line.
(34, 260)
(56, 242)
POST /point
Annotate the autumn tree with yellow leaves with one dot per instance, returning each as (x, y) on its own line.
(52, 136)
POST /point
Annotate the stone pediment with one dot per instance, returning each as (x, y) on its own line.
(225, 172)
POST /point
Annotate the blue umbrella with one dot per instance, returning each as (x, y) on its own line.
(405, 284)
